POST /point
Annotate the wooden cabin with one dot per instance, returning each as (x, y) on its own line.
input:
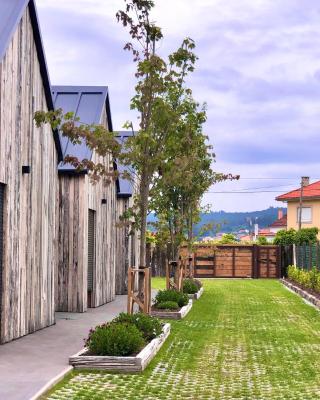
(28, 177)
(92, 249)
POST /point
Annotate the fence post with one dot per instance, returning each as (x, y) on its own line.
(255, 272)
(294, 255)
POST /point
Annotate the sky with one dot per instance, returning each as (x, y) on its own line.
(258, 72)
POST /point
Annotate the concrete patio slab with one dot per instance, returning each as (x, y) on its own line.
(29, 363)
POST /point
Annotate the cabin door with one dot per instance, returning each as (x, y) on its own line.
(1, 247)
(91, 254)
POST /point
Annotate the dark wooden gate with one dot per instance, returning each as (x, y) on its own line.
(1, 246)
(91, 253)
(235, 261)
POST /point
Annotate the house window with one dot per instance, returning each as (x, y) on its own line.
(306, 215)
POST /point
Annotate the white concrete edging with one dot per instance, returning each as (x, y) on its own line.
(196, 296)
(51, 383)
(173, 314)
(123, 364)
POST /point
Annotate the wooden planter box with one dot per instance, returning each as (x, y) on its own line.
(303, 293)
(123, 364)
(173, 314)
(196, 296)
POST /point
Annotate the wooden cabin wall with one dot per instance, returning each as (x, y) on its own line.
(105, 243)
(71, 276)
(30, 215)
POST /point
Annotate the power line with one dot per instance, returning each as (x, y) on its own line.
(258, 191)
(264, 178)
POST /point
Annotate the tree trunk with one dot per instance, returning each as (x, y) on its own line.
(144, 199)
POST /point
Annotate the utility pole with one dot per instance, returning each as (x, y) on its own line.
(304, 182)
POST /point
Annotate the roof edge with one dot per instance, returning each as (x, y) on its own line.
(44, 70)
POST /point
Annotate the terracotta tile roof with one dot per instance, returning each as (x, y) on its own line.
(282, 222)
(265, 232)
(310, 191)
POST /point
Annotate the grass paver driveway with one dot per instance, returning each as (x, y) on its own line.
(244, 339)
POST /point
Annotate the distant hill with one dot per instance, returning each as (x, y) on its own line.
(234, 221)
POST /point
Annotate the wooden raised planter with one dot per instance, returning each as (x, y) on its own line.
(173, 314)
(303, 293)
(196, 296)
(123, 364)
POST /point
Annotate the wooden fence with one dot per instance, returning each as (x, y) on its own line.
(236, 261)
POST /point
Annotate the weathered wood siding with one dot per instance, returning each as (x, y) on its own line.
(30, 217)
(77, 196)
(71, 277)
(105, 244)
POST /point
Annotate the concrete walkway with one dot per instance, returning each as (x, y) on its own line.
(29, 363)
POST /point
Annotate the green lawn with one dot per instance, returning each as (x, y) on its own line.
(158, 283)
(244, 339)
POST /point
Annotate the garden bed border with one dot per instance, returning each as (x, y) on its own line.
(196, 296)
(173, 314)
(123, 364)
(301, 292)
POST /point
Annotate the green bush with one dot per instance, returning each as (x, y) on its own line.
(149, 326)
(115, 339)
(291, 236)
(307, 235)
(309, 279)
(168, 305)
(171, 295)
(262, 241)
(189, 286)
(285, 237)
(228, 238)
(198, 283)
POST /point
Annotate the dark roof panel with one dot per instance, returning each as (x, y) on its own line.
(87, 103)
(125, 188)
(11, 12)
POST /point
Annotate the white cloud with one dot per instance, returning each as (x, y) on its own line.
(258, 71)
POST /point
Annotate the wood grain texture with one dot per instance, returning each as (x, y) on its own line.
(30, 228)
(114, 246)
(173, 314)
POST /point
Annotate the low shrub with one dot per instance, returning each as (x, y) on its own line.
(309, 279)
(198, 283)
(171, 295)
(149, 326)
(189, 286)
(115, 339)
(168, 305)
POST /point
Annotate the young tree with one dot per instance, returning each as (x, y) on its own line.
(159, 87)
(145, 152)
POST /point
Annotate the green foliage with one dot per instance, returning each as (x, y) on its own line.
(151, 238)
(262, 240)
(291, 236)
(171, 295)
(189, 286)
(306, 235)
(115, 339)
(285, 237)
(309, 279)
(198, 283)
(150, 327)
(168, 305)
(228, 238)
